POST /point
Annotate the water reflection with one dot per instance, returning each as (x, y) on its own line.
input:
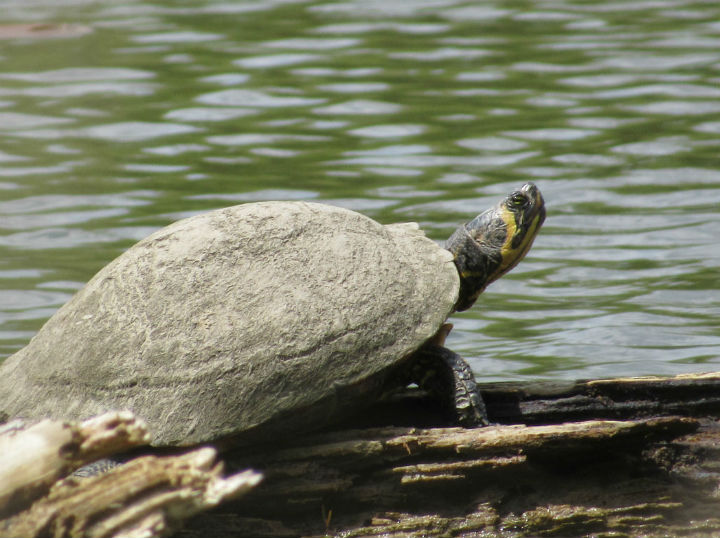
(426, 111)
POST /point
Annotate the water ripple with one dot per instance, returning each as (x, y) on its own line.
(22, 171)
(388, 131)
(672, 90)
(209, 114)
(360, 107)
(251, 139)
(255, 98)
(8, 158)
(354, 87)
(655, 147)
(18, 120)
(552, 134)
(176, 149)
(32, 299)
(275, 60)
(257, 196)
(29, 222)
(438, 160)
(331, 73)
(310, 43)
(87, 88)
(177, 37)
(77, 74)
(440, 54)
(712, 127)
(367, 27)
(655, 62)
(676, 108)
(226, 79)
(134, 131)
(65, 238)
(40, 203)
(492, 143)
(475, 13)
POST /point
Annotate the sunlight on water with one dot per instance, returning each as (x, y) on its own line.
(139, 113)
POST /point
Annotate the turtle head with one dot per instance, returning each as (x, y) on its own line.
(495, 241)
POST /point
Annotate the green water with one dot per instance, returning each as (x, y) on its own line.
(117, 118)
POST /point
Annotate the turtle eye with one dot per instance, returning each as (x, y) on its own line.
(518, 199)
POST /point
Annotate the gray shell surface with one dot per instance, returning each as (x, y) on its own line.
(237, 318)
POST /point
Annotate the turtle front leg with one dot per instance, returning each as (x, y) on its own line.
(446, 375)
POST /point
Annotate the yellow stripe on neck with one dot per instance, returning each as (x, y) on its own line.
(512, 256)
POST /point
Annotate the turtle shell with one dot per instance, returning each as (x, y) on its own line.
(267, 317)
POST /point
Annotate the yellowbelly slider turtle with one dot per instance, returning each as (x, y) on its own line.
(267, 319)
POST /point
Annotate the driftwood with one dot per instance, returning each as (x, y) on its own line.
(623, 457)
(148, 496)
(36, 457)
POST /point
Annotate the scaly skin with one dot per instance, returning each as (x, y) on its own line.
(484, 249)
(495, 241)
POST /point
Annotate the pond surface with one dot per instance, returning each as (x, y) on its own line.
(119, 117)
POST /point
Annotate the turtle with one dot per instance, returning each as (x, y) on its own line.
(266, 320)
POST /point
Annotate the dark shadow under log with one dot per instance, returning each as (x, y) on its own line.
(553, 402)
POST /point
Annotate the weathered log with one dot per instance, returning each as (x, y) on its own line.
(624, 457)
(149, 496)
(652, 474)
(34, 458)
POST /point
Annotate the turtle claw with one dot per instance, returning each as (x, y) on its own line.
(469, 405)
(447, 376)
